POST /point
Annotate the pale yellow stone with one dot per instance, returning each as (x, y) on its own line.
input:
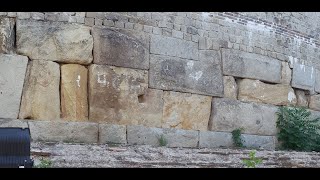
(257, 91)
(186, 111)
(121, 96)
(314, 102)
(230, 87)
(40, 99)
(74, 103)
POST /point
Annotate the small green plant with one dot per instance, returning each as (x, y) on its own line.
(162, 140)
(297, 131)
(44, 163)
(236, 137)
(252, 161)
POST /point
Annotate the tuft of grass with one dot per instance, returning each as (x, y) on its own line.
(44, 163)
(162, 141)
(252, 161)
(236, 137)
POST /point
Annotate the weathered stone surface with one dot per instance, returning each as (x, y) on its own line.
(259, 142)
(150, 136)
(228, 115)
(7, 35)
(112, 133)
(121, 96)
(169, 46)
(40, 98)
(210, 139)
(314, 102)
(286, 73)
(302, 98)
(303, 77)
(200, 77)
(12, 73)
(230, 87)
(186, 111)
(74, 100)
(249, 65)
(54, 41)
(13, 123)
(257, 91)
(58, 131)
(123, 48)
(317, 81)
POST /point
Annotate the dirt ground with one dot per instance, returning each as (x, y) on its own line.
(84, 155)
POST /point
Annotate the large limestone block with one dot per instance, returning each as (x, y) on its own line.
(7, 35)
(58, 131)
(186, 111)
(40, 98)
(209, 139)
(112, 133)
(123, 48)
(257, 91)
(170, 46)
(314, 102)
(259, 142)
(286, 73)
(12, 74)
(15, 123)
(228, 115)
(249, 65)
(303, 77)
(230, 87)
(121, 96)
(54, 41)
(302, 98)
(74, 100)
(150, 136)
(200, 77)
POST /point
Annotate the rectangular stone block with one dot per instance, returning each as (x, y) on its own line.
(112, 133)
(209, 139)
(257, 91)
(58, 131)
(7, 35)
(41, 98)
(228, 115)
(169, 46)
(12, 74)
(314, 102)
(303, 77)
(121, 96)
(186, 111)
(54, 41)
(74, 99)
(15, 123)
(150, 136)
(200, 77)
(259, 142)
(249, 65)
(123, 48)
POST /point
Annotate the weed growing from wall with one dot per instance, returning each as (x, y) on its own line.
(236, 137)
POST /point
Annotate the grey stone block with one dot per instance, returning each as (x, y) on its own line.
(59, 131)
(12, 74)
(112, 133)
(228, 115)
(4, 123)
(201, 77)
(259, 142)
(123, 48)
(317, 81)
(7, 35)
(174, 47)
(249, 65)
(150, 136)
(303, 77)
(209, 139)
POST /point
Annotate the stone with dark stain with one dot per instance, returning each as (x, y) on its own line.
(121, 96)
(124, 48)
(7, 35)
(201, 77)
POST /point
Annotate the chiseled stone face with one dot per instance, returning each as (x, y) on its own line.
(7, 35)
(257, 91)
(54, 41)
(303, 77)
(228, 115)
(314, 103)
(121, 96)
(302, 98)
(122, 48)
(40, 98)
(186, 111)
(249, 65)
(12, 74)
(74, 103)
(199, 77)
(230, 87)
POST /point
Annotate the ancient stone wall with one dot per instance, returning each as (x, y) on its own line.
(128, 77)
